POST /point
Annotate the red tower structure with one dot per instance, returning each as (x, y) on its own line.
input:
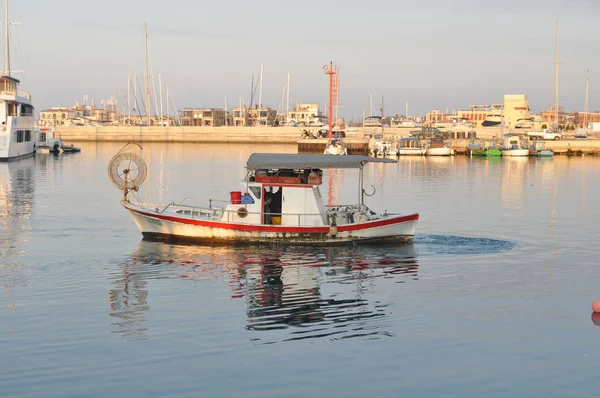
(332, 71)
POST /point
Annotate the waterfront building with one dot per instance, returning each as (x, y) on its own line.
(565, 118)
(59, 116)
(212, 117)
(254, 117)
(304, 113)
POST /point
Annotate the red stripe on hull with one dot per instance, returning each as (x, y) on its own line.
(279, 228)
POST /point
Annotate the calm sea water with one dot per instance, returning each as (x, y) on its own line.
(492, 299)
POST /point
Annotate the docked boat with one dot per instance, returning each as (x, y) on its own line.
(438, 147)
(410, 146)
(48, 139)
(17, 122)
(481, 150)
(70, 148)
(279, 201)
(492, 120)
(538, 148)
(514, 145)
(335, 146)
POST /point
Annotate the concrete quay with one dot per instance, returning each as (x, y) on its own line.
(240, 135)
(357, 138)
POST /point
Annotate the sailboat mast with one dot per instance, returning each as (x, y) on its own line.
(147, 76)
(287, 106)
(587, 92)
(260, 89)
(128, 98)
(556, 77)
(168, 108)
(161, 96)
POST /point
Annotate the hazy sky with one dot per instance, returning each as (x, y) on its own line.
(431, 53)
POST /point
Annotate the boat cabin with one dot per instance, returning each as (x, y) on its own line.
(437, 143)
(279, 197)
(410, 143)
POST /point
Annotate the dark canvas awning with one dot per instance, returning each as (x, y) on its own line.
(292, 161)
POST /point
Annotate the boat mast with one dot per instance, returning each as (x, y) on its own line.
(287, 106)
(128, 98)
(556, 77)
(382, 107)
(147, 76)
(161, 97)
(260, 89)
(587, 92)
(6, 44)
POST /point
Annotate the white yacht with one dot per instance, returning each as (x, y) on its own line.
(17, 120)
(492, 120)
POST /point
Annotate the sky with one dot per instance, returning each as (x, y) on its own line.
(430, 53)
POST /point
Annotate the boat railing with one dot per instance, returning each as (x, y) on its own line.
(24, 94)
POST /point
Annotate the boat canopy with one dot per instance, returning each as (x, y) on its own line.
(291, 161)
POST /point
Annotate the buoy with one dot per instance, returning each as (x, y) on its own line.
(596, 305)
(596, 318)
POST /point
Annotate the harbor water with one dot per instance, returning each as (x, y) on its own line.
(492, 299)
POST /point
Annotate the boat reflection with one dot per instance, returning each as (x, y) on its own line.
(17, 192)
(313, 292)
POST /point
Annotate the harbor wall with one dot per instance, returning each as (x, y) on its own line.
(271, 135)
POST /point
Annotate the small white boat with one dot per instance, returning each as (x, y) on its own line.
(438, 147)
(410, 146)
(335, 146)
(279, 202)
(48, 139)
(70, 148)
(514, 145)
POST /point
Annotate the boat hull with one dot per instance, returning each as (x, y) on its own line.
(439, 151)
(515, 152)
(155, 225)
(411, 152)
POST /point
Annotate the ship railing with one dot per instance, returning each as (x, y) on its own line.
(217, 213)
(24, 94)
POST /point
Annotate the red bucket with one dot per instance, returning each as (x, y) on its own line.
(236, 197)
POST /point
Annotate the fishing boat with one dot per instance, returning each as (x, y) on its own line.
(481, 150)
(279, 201)
(410, 146)
(335, 146)
(17, 123)
(538, 148)
(438, 147)
(514, 145)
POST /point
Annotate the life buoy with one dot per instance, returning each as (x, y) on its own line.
(242, 212)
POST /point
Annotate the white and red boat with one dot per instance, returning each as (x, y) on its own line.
(279, 202)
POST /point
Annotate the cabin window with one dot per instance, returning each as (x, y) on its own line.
(256, 191)
(20, 135)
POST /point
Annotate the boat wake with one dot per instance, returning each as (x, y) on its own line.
(459, 245)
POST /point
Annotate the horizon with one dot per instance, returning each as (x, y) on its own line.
(461, 54)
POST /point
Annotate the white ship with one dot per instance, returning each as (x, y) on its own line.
(17, 122)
